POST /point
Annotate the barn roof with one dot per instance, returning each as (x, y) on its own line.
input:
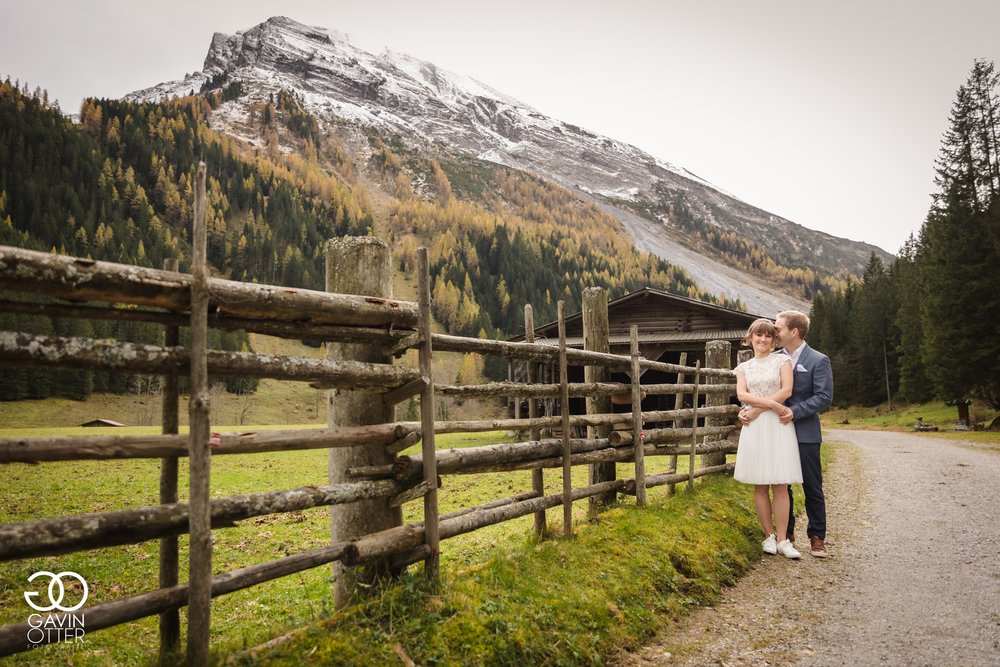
(714, 322)
(701, 336)
(102, 422)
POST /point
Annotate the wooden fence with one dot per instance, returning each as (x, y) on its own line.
(198, 301)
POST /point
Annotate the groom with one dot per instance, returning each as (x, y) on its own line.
(812, 393)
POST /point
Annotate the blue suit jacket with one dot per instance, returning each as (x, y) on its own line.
(812, 393)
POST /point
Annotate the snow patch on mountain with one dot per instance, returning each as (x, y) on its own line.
(423, 104)
(401, 94)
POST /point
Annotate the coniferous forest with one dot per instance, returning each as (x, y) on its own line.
(928, 325)
(118, 186)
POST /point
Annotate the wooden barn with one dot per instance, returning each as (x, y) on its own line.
(672, 329)
(669, 326)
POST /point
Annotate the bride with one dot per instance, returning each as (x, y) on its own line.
(768, 454)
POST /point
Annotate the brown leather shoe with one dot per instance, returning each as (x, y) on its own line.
(816, 547)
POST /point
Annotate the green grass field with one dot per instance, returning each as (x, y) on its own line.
(246, 618)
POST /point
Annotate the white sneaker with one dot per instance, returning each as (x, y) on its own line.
(771, 545)
(788, 550)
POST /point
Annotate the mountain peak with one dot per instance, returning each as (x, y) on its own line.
(277, 37)
(424, 104)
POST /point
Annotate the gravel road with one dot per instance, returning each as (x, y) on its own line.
(914, 531)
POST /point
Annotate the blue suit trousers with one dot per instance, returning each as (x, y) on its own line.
(812, 486)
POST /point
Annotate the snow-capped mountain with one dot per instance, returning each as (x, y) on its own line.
(424, 104)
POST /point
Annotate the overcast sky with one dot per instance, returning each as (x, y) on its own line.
(829, 114)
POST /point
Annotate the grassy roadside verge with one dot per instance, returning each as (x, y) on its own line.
(903, 417)
(562, 602)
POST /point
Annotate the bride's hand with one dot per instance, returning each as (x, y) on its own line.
(748, 414)
(785, 414)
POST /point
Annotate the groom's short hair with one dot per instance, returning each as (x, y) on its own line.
(795, 320)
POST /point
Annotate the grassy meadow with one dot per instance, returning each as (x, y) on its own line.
(246, 618)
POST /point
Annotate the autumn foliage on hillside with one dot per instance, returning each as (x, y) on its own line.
(521, 240)
(119, 187)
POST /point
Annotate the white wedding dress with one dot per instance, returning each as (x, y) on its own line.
(768, 452)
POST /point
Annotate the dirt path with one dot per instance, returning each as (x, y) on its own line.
(914, 528)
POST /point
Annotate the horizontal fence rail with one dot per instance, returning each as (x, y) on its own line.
(549, 352)
(294, 330)
(102, 529)
(74, 448)
(80, 279)
(576, 389)
(18, 349)
(396, 437)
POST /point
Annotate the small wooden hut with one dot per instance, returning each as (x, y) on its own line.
(672, 329)
(102, 422)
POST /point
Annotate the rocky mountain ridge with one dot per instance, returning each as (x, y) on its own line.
(425, 105)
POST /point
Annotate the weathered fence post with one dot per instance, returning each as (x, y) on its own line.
(677, 423)
(637, 444)
(537, 478)
(694, 425)
(362, 266)
(595, 338)
(170, 621)
(567, 451)
(200, 456)
(432, 534)
(717, 355)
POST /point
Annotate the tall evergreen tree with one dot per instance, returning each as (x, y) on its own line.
(961, 249)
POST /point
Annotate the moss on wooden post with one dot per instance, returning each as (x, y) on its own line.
(362, 266)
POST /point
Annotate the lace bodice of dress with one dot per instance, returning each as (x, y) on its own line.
(763, 376)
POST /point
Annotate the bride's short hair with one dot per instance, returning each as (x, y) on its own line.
(760, 325)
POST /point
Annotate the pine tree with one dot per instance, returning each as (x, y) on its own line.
(14, 385)
(38, 381)
(470, 370)
(961, 250)
(74, 384)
